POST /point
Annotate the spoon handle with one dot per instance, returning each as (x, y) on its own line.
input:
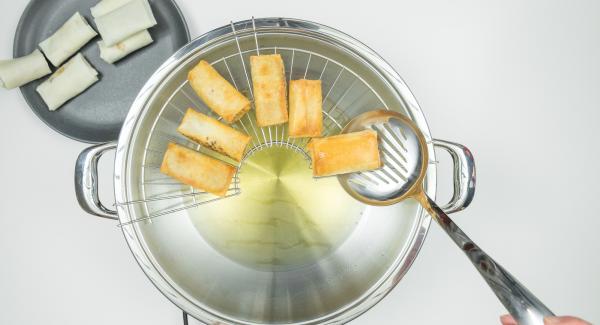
(520, 302)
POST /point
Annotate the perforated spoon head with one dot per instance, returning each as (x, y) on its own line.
(398, 136)
(404, 155)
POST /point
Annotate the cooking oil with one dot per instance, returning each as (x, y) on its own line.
(283, 218)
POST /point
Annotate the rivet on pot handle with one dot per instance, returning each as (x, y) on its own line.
(464, 175)
(86, 181)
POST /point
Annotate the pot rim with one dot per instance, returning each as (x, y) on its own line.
(402, 263)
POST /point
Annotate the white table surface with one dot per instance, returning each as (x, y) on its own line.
(516, 81)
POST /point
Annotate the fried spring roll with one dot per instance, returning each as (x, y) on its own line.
(217, 93)
(306, 108)
(268, 82)
(213, 134)
(197, 170)
(344, 153)
(68, 39)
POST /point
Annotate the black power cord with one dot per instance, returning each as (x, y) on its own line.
(185, 318)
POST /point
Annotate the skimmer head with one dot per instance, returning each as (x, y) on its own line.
(404, 155)
(403, 151)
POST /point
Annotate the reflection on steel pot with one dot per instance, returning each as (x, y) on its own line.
(281, 247)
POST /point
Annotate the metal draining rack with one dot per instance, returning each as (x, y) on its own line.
(162, 195)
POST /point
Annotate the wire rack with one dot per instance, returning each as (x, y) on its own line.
(344, 94)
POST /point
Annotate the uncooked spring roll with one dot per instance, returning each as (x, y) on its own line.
(17, 72)
(125, 21)
(112, 54)
(344, 153)
(306, 108)
(197, 170)
(268, 81)
(105, 6)
(67, 40)
(68, 81)
(217, 93)
(213, 134)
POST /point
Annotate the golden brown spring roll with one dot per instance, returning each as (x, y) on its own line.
(344, 153)
(213, 134)
(217, 93)
(268, 82)
(197, 170)
(306, 108)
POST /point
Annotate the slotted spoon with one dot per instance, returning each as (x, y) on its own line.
(405, 158)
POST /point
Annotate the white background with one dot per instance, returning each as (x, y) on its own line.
(516, 81)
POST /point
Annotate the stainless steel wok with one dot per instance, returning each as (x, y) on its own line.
(281, 247)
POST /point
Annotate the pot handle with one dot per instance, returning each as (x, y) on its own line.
(86, 181)
(464, 175)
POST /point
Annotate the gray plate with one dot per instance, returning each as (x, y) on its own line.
(97, 114)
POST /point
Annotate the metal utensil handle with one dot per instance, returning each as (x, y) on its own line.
(520, 302)
(464, 175)
(86, 181)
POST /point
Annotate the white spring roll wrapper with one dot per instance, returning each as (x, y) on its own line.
(67, 82)
(67, 40)
(130, 19)
(105, 6)
(112, 54)
(17, 72)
